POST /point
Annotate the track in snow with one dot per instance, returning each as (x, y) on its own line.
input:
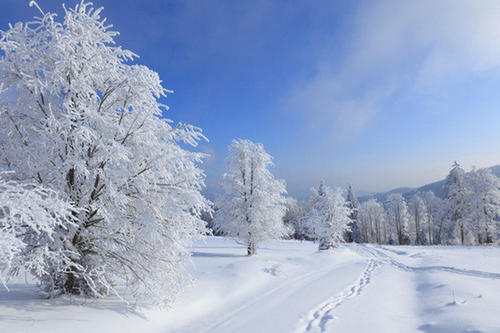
(241, 308)
(316, 319)
(290, 284)
(384, 258)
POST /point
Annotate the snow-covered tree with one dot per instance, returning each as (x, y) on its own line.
(294, 218)
(353, 234)
(372, 218)
(84, 123)
(398, 217)
(252, 206)
(458, 207)
(419, 219)
(327, 217)
(484, 202)
(435, 217)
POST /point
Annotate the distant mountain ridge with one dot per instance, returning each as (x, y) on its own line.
(437, 188)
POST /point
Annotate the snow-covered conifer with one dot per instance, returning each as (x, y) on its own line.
(352, 235)
(80, 120)
(327, 218)
(252, 206)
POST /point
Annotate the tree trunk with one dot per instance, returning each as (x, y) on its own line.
(69, 285)
(251, 249)
(430, 228)
(462, 236)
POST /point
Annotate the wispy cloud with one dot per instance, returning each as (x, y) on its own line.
(398, 48)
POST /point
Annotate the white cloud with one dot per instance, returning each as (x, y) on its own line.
(403, 47)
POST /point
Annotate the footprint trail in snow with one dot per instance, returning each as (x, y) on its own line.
(317, 319)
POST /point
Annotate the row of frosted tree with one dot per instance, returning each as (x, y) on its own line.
(468, 214)
(253, 207)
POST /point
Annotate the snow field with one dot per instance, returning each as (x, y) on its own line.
(291, 287)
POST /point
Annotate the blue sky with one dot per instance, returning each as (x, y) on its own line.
(379, 94)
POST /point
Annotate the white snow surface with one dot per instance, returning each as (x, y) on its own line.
(291, 287)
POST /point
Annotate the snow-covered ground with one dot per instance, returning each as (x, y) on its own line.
(290, 287)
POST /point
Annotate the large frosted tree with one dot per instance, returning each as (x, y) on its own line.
(81, 121)
(327, 217)
(252, 205)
